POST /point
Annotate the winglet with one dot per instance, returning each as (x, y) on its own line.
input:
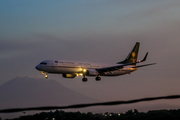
(144, 57)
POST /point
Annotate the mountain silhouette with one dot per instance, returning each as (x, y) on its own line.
(30, 92)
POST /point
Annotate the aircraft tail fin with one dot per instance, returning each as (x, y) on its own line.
(132, 57)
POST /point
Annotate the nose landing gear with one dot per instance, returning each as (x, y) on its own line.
(46, 75)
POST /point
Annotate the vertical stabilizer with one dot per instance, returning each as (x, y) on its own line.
(132, 57)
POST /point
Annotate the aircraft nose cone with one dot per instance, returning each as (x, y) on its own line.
(37, 67)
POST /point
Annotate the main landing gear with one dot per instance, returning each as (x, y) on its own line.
(84, 79)
(98, 78)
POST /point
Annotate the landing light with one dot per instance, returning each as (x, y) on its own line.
(84, 70)
(133, 68)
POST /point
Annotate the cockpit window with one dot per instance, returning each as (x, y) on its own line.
(43, 63)
(56, 61)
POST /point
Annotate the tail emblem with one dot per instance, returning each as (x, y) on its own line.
(133, 55)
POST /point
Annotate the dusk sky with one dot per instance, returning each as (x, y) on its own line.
(96, 31)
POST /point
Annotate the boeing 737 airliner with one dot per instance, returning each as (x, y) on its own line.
(72, 69)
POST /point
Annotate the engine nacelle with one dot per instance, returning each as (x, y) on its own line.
(69, 75)
(92, 72)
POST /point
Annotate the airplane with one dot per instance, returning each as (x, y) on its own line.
(71, 69)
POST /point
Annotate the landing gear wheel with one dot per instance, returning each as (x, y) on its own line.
(84, 79)
(98, 78)
(46, 76)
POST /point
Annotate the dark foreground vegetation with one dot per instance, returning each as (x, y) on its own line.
(129, 115)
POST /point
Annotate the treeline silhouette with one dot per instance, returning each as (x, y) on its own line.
(129, 115)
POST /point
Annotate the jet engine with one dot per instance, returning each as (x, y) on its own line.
(92, 72)
(69, 75)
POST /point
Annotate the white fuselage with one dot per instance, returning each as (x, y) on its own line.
(67, 67)
(71, 69)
